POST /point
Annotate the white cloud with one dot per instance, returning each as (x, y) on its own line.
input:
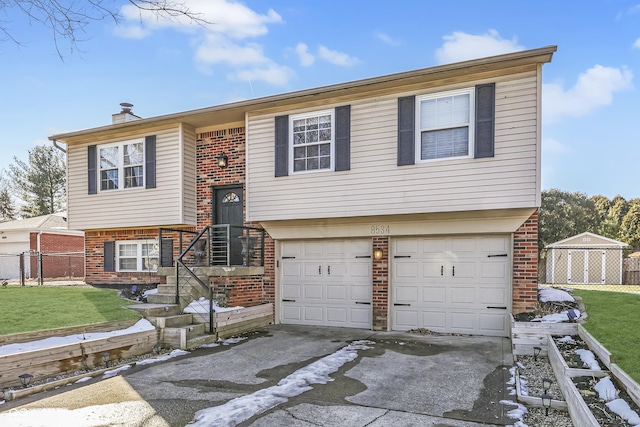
(336, 58)
(386, 39)
(272, 73)
(224, 40)
(461, 46)
(306, 59)
(636, 44)
(593, 89)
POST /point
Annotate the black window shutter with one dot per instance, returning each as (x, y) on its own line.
(406, 131)
(282, 146)
(343, 138)
(167, 253)
(485, 119)
(109, 256)
(92, 175)
(150, 161)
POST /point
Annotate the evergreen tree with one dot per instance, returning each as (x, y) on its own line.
(40, 183)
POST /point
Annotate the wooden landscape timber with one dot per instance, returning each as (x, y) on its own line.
(230, 323)
(69, 358)
(526, 335)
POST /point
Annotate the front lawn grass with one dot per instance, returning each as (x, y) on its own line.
(613, 319)
(31, 308)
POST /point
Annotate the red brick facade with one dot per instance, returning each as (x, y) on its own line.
(525, 266)
(61, 255)
(381, 284)
(94, 257)
(244, 291)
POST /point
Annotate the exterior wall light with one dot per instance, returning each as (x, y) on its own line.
(223, 160)
(25, 379)
(377, 254)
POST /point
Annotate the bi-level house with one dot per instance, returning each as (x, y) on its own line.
(392, 203)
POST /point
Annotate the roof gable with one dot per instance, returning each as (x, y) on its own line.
(587, 239)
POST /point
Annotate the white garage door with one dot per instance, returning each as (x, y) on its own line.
(452, 284)
(326, 282)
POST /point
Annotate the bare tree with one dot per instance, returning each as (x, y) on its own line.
(68, 19)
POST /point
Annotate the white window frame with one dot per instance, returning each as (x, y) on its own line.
(311, 114)
(139, 255)
(471, 125)
(121, 167)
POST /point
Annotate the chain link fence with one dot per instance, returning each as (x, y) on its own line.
(612, 269)
(29, 267)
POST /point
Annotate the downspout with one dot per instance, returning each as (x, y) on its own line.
(55, 144)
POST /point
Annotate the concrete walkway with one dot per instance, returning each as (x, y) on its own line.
(401, 379)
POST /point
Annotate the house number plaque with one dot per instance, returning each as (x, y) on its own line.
(380, 229)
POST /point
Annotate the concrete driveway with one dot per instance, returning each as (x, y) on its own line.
(295, 376)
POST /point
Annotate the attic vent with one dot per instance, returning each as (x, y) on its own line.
(586, 239)
(126, 107)
(221, 132)
(236, 131)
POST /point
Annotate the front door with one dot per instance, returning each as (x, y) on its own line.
(227, 210)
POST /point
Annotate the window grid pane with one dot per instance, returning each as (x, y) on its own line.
(312, 138)
(445, 126)
(125, 160)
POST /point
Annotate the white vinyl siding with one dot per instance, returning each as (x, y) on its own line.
(375, 185)
(172, 202)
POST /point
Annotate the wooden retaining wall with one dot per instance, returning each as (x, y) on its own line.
(526, 335)
(230, 323)
(68, 358)
(72, 330)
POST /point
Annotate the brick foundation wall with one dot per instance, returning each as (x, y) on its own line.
(381, 285)
(525, 266)
(246, 291)
(94, 257)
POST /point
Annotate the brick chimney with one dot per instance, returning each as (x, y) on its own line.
(125, 115)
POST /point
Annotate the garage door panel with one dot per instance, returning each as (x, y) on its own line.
(406, 269)
(291, 313)
(432, 270)
(313, 314)
(406, 319)
(323, 280)
(292, 291)
(337, 315)
(292, 269)
(406, 294)
(463, 296)
(337, 293)
(433, 295)
(360, 270)
(457, 281)
(494, 244)
(360, 293)
(361, 317)
(462, 321)
(463, 245)
(406, 246)
(493, 270)
(492, 322)
(312, 292)
(433, 247)
(435, 320)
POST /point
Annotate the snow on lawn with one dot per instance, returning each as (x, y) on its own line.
(141, 326)
(242, 408)
(554, 295)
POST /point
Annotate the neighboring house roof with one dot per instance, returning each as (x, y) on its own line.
(605, 241)
(235, 111)
(56, 222)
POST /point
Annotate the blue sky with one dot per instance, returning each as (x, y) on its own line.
(263, 47)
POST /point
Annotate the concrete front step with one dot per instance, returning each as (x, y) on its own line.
(182, 336)
(150, 310)
(162, 298)
(174, 321)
